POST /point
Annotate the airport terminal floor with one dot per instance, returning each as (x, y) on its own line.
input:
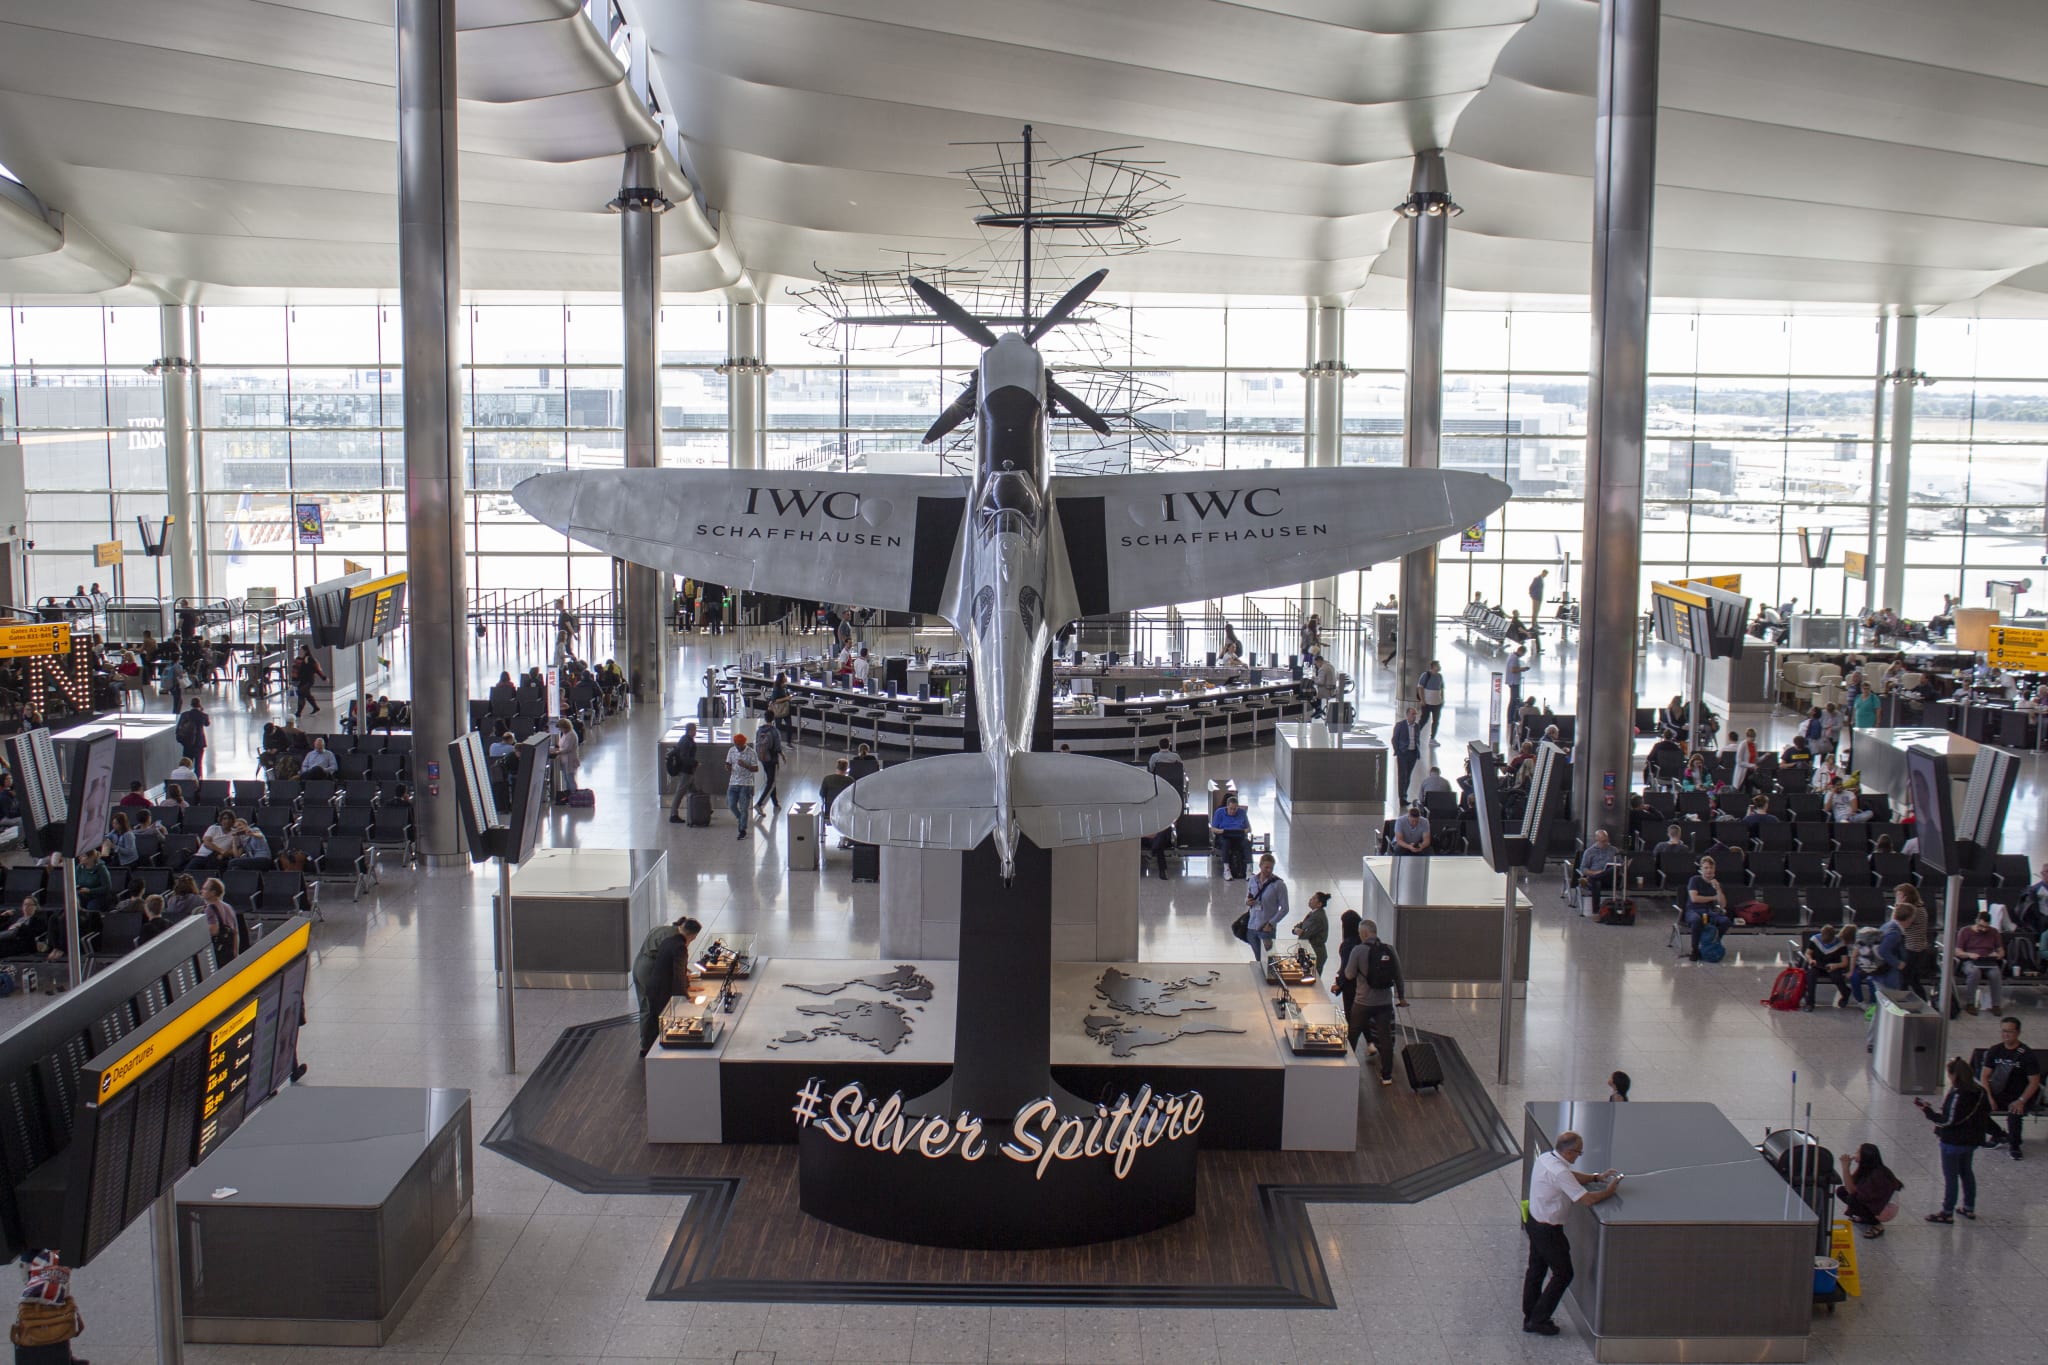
(401, 993)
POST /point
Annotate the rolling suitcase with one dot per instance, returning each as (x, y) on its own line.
(1425, 1069)
(867, 862)
(697, 810)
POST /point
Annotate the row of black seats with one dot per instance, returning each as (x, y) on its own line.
(262, 893)
(338, 855)
(1824, 837)
(299, 793)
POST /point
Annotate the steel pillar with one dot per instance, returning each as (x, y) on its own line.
(640, 205)
(429, 289)
(1899, 477)
(1870, 557)
(1624, 182)
(1325, 425)
(178, 368)
(746, 344)
(1430, 209)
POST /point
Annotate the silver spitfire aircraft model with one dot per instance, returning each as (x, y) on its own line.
(1006, 557)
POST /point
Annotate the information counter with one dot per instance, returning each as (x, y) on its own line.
(322, 1218)
(145, 750)
(578, 915)
(902, 725)
(1881, 758)
(1214, 1027)
(1443, 916)
(1705, 1254)
(1320, 771)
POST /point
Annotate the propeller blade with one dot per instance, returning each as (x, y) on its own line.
(1069, 301)
(1076, 408)
(964, 322)
(958, 411)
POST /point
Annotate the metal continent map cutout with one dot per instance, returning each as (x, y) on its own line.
(1138, 995)
(880, 1024)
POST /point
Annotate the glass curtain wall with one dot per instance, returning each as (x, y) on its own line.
(1759, 425)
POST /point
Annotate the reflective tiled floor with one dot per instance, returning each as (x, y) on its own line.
(402, 994)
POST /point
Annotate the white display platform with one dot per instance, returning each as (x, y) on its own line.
(1094, 902)
(578, 915)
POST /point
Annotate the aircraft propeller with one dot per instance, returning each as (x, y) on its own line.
(971, 327)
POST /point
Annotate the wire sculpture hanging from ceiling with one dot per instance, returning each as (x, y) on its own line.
(1042, 216)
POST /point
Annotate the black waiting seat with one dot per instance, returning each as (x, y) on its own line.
(241, 886)
(1806, 868)
(1852, 869)
(1773, 836)
(20, 884)
(1851, 837)
(215, 793)
(287, 793)
(2014, 871)
(1823, 904)
(1784, 904)
(1868, 906)
(1733, 833)
(1695, 805)
(283, 893)
(1878, 804)
(1768, 869)
(1894, 869)
(1675, 867)
(391, 828)
(359, 793)
(1814, 836)
(249, 793)
(1806, 805)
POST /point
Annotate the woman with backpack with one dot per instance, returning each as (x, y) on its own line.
(682, 765)
(768, 749)
(1870, 1192)
(1960, 1126)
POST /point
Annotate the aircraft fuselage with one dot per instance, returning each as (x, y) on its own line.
(1008, 539)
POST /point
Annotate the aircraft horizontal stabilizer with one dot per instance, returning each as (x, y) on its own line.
(1056, 799)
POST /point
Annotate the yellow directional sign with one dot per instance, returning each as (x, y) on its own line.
(106, 553)
(29, 642)
(2014, 647)
(1727, 582)
(1856, 565)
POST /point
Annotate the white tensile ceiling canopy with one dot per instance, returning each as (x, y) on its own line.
(1832, 153)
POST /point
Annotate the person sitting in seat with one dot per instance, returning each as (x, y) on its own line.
(136, 796)
(153, 921)
(864, 762)
(1758, 815)
(836, 781)
(1231, 828)
(119, 844)
(252, 848)
(1828, 959)
(319, 761)
(1844, 807)
(1411, 833)
(1163, 754)
(217, 845)
(1599, 865)
(1436, 784)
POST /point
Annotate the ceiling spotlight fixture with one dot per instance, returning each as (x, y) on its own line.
(743, 365)
(639, 197)
(1917, 378)
(1435, 203)
(174, 364)
(1329, 369)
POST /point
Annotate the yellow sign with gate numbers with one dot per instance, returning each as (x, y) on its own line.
(35, 642)
(2015, 647)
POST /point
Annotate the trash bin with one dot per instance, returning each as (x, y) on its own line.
(802, 835)
(1907, 1052)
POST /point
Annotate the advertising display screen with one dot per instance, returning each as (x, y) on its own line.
(92, 791)
(1928, 780)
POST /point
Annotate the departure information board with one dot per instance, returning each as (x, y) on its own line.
(230, 1051)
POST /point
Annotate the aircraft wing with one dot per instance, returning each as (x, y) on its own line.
(948, 801)
(1133, 541)
(890, 541)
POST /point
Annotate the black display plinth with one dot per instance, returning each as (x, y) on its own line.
(910, 1179)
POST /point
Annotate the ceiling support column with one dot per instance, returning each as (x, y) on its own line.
(1624, 183)
(746, 382)
(178, 368)
(640, 205)
(1429, 209)
(1326, 376)
(1898, 495)
(429, 293)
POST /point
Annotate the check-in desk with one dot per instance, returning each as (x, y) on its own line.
(578, 915)
(711, 774)
(1443, 916)
(1881, 757)
(1705, 1254)
(145, 750)
(322, 1218)
(1320, 771)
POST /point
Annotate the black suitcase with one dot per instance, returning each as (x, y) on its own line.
(697, 810)
(867, 862)
(1425, 1069)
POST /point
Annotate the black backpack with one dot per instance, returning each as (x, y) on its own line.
(1379, 967)
(673, 761)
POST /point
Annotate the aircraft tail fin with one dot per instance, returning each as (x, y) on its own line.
(1057, 799)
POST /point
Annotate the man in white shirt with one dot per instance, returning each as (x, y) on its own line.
(1553, 1188)
(861, 668)
(319, 760)
(1517, 667)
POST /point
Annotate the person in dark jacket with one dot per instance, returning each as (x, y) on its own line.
(1314, 929)
(191, 736)
(1960, 1124)
(667, 971)
(686, 772)
(768, 748)
(1868, 1188)
(1347, 939)
(1377, 989)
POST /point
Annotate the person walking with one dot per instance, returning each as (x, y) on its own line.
(682, 764)
(1328, 686)
(1553, 1188)
(1407, 753)
(1348, 937)
(1919, 940)
(1377, 989)
(1314, 929)
(1537, 587)
(568, 754)
(768, 749)
(1429, 694)
(565, 632)
(740, 768)
(171, 677)
(2012, 1078)
(191, 735)
(306, 672)
(1960, 1124)
(1265, 906)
